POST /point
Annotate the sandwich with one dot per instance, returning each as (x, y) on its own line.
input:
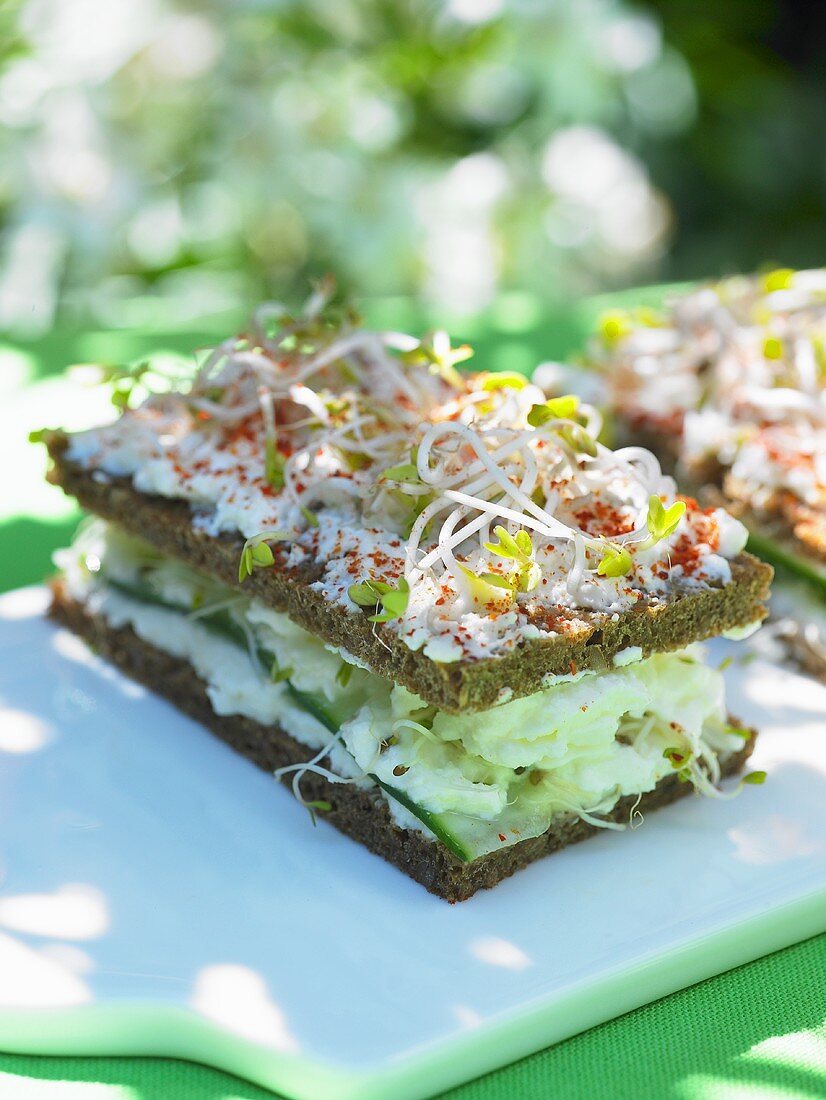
(462, 630)
(727, 385)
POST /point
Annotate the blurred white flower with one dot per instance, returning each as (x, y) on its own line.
(603, 197)
(630, 42)
(460, 249)
(186, 47)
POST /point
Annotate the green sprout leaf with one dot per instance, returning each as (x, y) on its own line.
(578, 439)
(517, 546)
(367, 593)
(405, 471)
(615, 561)
(504, 380)
(558, 408)
(344, 673)
(246, 565)
(394, 602)
(663, 521)
(436, 352)
(310, 517)
(737, 731)
(497, 580)
(256, 554)
(772, 348)
(754, 779)
(123, 381)
(613, 327)
(677, 758)
(486, 588)
(373, 593)
(320, 805)
(262, 555)
(780, 279)
(40, 435)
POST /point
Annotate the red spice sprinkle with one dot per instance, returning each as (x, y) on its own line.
(600, 518)
(502, 837)
(573, 668)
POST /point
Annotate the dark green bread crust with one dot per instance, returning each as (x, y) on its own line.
(359, 813)
(468, 685)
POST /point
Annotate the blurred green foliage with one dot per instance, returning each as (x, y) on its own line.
(164, 160)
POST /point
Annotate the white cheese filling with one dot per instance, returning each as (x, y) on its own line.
(577, 746)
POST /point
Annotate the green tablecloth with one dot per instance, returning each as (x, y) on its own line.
(757, 1032)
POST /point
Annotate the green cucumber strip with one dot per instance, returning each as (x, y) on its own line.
(434, 822)
(323, 711)
(785, 558)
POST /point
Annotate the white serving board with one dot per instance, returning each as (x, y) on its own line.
(160, 896)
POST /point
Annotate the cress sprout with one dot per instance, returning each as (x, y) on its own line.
(256, 554)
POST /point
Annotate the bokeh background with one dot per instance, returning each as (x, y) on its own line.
(163, 160)
(488, 165)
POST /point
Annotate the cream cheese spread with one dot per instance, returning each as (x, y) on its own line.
(369, 454)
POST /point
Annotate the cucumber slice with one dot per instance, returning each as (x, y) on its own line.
(783, 557)
(438, 824)
(330, 714)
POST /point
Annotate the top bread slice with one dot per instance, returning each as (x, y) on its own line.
(590, 641)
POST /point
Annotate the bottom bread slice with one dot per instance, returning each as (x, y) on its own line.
(361, 813)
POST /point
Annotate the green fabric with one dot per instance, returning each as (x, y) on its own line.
(757, 1032)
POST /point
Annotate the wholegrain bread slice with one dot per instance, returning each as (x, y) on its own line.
(360, 813)
(587, 640)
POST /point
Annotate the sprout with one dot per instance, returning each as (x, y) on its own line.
(436, 353)
(404, 472)
(737, 731)
(781, 278)
(489, 588)
(682, 761)
(557, 408)
(518, 548)
(677, 758)
(578, 439)
(772, 348)
(371, 593)
(503, 380)
(310, 517)
(256, 554)
(754, 779)
(615, 562)
(123, 381)
(613, 327)
(319, 804)
(662, 521)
